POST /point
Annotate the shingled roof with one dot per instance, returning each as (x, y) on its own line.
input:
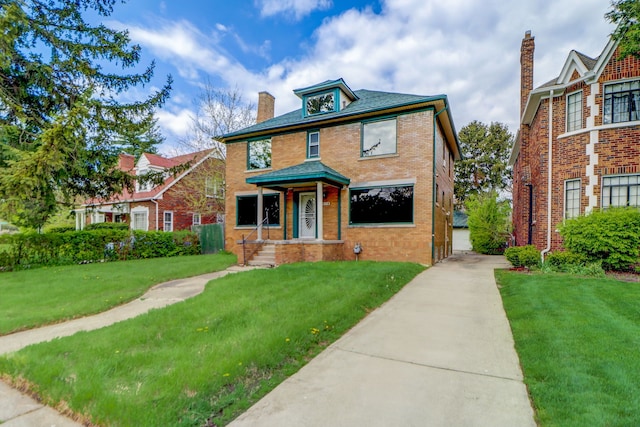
(368, 101)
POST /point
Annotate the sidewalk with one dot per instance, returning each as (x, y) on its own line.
(18, 410)
(439, 353)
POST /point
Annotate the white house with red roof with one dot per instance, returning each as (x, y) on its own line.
(193, 196)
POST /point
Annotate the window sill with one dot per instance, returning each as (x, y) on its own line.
(257, 170)
(383, 225)
(253, 227)
(381, 156)
(600, 127)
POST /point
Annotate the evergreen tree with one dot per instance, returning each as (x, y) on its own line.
(59, 114)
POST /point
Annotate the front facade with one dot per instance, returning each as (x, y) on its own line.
(351, 175)
(577, 149)
(190, 196)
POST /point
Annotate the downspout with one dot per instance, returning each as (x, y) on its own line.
(433, 186)
(549, 176)
(156, 203)
(530, 220)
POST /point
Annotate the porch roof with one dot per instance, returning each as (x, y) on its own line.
(311, 171)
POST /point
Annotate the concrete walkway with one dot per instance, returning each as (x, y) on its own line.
(18, 410)
(439, 353)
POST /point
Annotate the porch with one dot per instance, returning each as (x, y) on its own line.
(278, 252)
(309, 218)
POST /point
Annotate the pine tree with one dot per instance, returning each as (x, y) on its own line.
(59, 114)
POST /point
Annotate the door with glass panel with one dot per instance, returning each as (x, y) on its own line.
(307, 220)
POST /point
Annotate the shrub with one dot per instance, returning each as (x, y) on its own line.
(563, 261)
(611, 236)
(523, 256)
(107, 226)
(488, 221)
(61, 229)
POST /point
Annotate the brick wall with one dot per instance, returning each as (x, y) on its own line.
(616, 148)
(340, 149)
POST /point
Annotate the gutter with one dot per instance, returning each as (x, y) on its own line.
(549, 176)
(433, 185)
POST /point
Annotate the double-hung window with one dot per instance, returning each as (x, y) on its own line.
(381, 205)
(259, 154)
(379, 138)
(197, 219)
(622, 190)
(168, 221)
(571, 198)
(621, 102)
(574, 111)
(313, 145)
(247, 209)
(139, 221)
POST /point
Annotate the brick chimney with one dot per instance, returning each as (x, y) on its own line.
(526, 68)
(266, 107)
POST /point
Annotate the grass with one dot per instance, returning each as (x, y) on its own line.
(212, 356)
(32, 298)
(578, 340)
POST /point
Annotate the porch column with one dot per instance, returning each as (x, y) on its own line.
(319, 210)
(260, 213)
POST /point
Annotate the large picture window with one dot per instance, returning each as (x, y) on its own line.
(571, 198)
(247, 209)
(379, 138)
(621, 102)
(380, 205)
(621, 190)
(574, 111)
(259, 154)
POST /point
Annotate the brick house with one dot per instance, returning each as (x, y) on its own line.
(193, 196)
(577, 149)
(350, 168)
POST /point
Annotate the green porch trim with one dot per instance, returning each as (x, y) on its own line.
(313, 171)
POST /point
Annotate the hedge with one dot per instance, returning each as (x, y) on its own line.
(30, 250)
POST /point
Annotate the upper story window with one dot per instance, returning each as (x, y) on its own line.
(574, 111)
(379, 138)
(621, 102)
(321, 103)
(259, 154)
(313, 144)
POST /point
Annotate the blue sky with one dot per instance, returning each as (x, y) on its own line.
(466, 49)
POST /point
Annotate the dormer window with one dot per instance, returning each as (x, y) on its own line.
(320, 103)
(331, 96)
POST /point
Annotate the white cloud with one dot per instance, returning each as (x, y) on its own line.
(296, 8)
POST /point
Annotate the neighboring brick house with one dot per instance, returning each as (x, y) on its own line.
(192, 196)
(366, 168)
(577, 149)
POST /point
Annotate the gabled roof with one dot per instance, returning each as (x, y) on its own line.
(194, 159)
(589, 70)
(309, 171)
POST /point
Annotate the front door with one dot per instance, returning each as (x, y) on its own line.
(307, 216)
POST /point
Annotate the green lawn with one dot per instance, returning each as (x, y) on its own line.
(578, 340)
(211, 356)
(31, 298)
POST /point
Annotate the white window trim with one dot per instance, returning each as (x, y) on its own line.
(165, 222)
(602, 187)
(196, 215)
(309, 156)
(140, 210)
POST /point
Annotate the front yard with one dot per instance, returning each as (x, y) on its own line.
(206, 360)
(32, 298)
(578, 340)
